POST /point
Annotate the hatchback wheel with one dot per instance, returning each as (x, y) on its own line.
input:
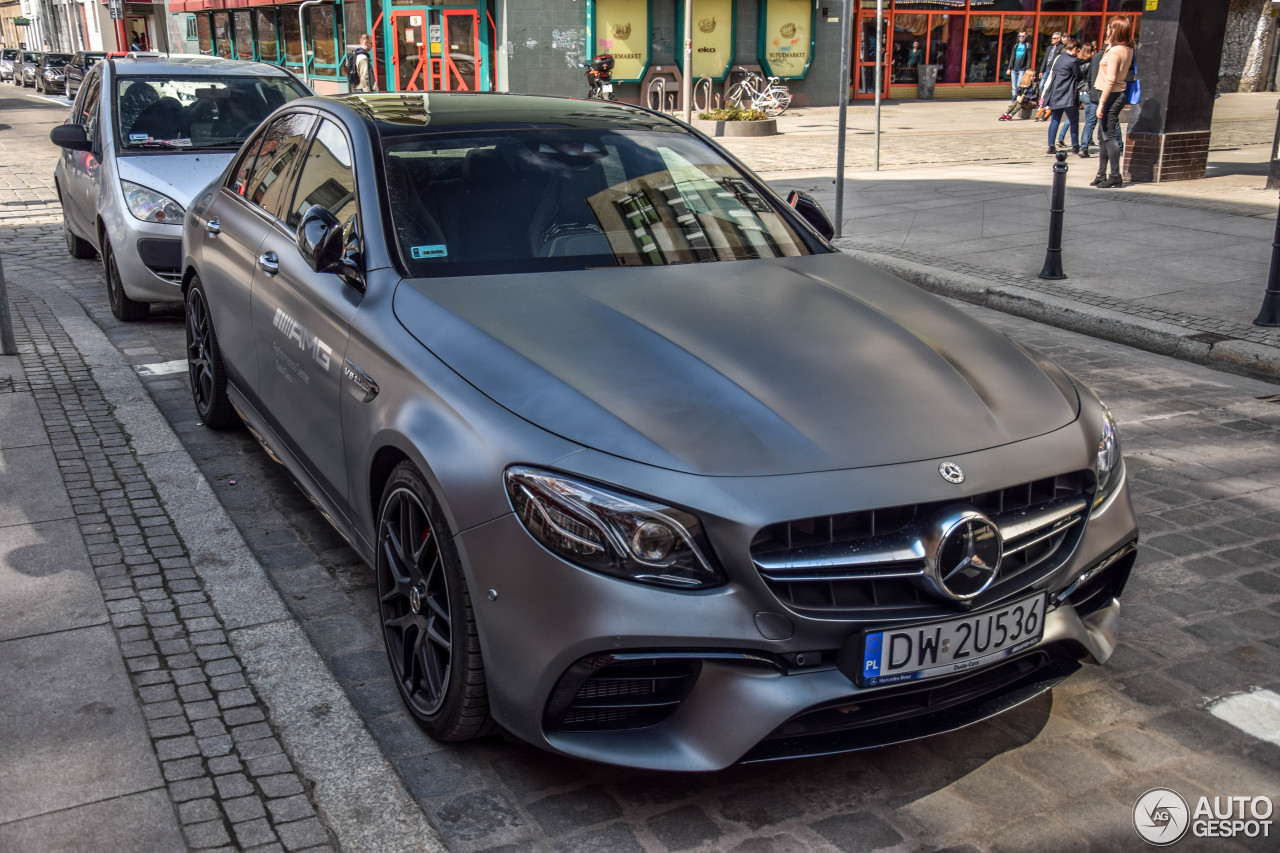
(77, 248)
(204, 363)
(121, 305)
(427, 622)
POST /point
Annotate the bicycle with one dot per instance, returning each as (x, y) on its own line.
(771, 98)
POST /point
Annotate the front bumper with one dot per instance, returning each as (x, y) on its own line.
(750, 698)
(148, 255)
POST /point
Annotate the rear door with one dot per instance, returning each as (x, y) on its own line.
(302, 318)
(234, 223)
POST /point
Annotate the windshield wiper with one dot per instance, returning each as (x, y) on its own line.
(160, 143)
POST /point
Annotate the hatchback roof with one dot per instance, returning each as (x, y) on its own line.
(192, 65)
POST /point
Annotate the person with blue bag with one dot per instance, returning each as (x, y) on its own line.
(1113, 72)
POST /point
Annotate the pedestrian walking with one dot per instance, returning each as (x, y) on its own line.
(1062, 95)
(1087, 60)
(1112, 72)
(1019, 61)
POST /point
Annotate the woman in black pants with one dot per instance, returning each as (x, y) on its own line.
(1112, 73)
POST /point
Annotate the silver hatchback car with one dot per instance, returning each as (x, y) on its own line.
(144, 136)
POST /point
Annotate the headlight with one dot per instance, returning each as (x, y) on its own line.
(151, 206)
(1109, 461)
(608, 532)
(50, 74)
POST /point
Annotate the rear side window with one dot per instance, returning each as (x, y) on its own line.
(281, 145)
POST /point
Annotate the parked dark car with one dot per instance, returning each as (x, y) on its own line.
(24, 69)
(77, 68)
(48, 76)
(647, 471)
(8, 57)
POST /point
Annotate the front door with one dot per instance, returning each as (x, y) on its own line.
(864, 75)
(411, 64)
(461, 51)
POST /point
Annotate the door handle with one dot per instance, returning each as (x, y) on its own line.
(269, 263)
(213, 226)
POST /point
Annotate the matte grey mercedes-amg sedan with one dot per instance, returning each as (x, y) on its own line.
(648, 473)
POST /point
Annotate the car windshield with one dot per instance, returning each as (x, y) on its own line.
(9, 54)
(196, 112)
(543, 199)
(57, 58)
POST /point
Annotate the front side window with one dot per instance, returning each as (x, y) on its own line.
(572, 199)
(281, 145)
(326, 179)
(88, 115)
(196, 112)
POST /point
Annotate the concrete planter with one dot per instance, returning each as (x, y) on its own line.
(764, 127)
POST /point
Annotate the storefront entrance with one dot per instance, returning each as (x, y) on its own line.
(864, 76)
(436, 50)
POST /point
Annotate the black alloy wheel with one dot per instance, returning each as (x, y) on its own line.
(427, 622)
(204, 364)
(122, 306)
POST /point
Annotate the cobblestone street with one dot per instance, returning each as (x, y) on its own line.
(238, 753)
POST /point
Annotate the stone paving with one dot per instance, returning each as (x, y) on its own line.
(1201, 620)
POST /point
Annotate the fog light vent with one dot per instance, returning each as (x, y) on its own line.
(608, 693)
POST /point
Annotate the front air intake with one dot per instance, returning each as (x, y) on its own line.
(610, 693)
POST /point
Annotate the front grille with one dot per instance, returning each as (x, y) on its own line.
(871, 564)
(606, 693)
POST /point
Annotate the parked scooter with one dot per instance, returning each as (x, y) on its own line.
(600, 77)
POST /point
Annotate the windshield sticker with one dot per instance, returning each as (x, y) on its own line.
(139, 137)
(421, 252)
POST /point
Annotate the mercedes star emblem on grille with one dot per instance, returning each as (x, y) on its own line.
(967, 556)
(951, 472)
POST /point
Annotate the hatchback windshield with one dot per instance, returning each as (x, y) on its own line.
(523, 200)
(196, 112)
(56, 60)
(9, 54)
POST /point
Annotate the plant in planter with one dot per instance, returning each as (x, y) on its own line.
(731, 113)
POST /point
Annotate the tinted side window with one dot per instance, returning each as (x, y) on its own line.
(326, 178)
(88, 115)
(281, 145)
(240, 174)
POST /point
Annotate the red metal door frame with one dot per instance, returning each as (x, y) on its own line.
(868, 17)
(424, 53)
(450, 70)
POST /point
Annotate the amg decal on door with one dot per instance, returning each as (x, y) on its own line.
(294, 331)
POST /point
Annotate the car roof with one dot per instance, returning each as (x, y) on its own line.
(396, 113)
(191, 65)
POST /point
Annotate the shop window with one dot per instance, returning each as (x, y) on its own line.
(268, 46)
(1124, 5)
(1009, 29)
(292, 38)
(946, 46)
(222, 34)
(1086, 28)
(621, 28)
(983, 51)
(322, 39)
(204, 32)
(909, 48)
(714, 23)
(786, 37)
(243, 24)
(353, 26)
(192, 32)
(1072, 5)
(1049, 24)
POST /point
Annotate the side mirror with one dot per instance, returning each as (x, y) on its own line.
(807, 206)
(71, 137)
(320, 242)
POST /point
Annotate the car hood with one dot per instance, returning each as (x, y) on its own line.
(739, 368)
(179, 175)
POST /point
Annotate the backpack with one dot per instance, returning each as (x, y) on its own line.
(350, 68)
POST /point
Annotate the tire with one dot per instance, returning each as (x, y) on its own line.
(76, 247)
(434, 651)
(122, 306)
(738, 95)
(205, 372)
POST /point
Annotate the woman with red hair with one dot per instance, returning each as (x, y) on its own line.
(1113, 71)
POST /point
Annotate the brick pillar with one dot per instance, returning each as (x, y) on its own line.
(1179, 53)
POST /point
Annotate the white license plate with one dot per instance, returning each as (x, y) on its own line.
(943, 648)
(606, 87)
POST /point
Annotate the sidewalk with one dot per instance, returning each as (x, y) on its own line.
(157, 694)
(1177, 268)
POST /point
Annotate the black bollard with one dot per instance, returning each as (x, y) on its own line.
(1057, 206)
(7, 345)
(1270, 313)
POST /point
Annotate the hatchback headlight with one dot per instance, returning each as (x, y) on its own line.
(609, 532)
(1109, 461)
(151, 206)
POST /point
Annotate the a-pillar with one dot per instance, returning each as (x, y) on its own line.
(1179, 52)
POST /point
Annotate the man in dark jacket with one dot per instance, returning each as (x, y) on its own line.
(1055, 48)
(1019, 61)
